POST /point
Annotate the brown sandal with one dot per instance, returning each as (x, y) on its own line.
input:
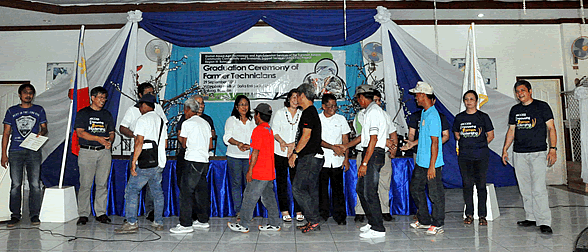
(468, 220)
(483, 221)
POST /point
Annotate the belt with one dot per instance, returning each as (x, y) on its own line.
(90, 147)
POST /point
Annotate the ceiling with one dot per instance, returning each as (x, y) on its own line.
(101, 14)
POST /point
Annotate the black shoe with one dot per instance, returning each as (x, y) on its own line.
(526, 223)
(12, 222)
(150, 216)
(103, 219)
(343, 222)
(359, 218)
(82, 221)
(35, 221)
(387, 217)
(545, 229)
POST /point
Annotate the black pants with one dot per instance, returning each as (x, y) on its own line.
(180, 165)
(367, 190)
(305, 185)
(282, 170)
(194, 188)
(474, 172)
(335, 176)
(436, 195)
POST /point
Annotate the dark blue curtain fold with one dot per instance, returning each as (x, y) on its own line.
(221, 204)
(198, 28)
(207, 28)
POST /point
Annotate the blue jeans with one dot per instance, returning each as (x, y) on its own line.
(238, 168)
(263, 189)
(18, 160)
(305, 186)
(367, 189)
(135, 184)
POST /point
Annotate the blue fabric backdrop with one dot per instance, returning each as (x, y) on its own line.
(221, 201)
(317, 27)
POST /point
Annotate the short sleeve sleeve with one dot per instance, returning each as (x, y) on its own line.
(180, 122)
(488, 123)
(81, 120)
(7, 118)
(256, 139)
(435, 125)
(42, 116)
(345, 126)
(183, 133)
(413, 121)
(511, 117)
(444, 123)
(547, 113)
(111, 124)
(456, 123)
(140, 128)
(126, 121)
(228, 130)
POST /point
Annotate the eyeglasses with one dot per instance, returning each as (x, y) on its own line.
(331, 106)
(243, 105)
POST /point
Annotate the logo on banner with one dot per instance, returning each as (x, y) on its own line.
(325, 79)
(25, 124)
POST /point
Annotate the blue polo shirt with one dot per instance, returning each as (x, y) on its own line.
(430, 125)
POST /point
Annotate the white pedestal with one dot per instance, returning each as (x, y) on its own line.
(59, 204)
(4, 194)
(492, 211)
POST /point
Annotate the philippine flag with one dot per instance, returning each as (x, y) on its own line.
(79, 91)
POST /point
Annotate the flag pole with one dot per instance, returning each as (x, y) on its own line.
(69, 118)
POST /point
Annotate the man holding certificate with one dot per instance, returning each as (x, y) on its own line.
(19, 122)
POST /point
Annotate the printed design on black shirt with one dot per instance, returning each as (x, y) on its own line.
(467, 130)
(25, 124)
(96, 126)
(524, 121)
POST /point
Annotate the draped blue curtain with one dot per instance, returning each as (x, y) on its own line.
(354, 78)
(207, 28)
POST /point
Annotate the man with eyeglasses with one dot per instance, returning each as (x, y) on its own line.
(335, 131)
(95, 128)
(127, 128)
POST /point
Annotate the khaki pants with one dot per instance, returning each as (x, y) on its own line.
(94, 168)
(531, 169)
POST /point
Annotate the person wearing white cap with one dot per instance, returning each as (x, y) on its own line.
(429, 164)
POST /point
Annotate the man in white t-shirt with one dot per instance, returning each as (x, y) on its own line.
(335, 130)
(150, 133)
(127, 128)
(196, 138)
(374, 133)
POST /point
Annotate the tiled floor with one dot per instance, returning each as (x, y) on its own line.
(501, 234)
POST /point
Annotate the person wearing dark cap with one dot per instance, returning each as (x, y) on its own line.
(310, 158)
(260, 175)
(374, 132)
(429, 164)
(149, 134)
(95, 128)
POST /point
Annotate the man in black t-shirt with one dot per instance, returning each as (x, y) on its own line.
(309, 154)
(95, 128)
(530, 122)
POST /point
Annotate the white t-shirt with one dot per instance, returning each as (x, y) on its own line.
(374, 123)
(148, 127)
(333, 129)
(284, 125)
(235, 129)
(133, 113)
(197, 133)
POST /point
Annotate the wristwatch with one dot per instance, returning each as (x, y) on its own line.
(364, 164)
(555, 148)
(295, 152)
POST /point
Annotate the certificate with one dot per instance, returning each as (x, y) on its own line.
(32, 142)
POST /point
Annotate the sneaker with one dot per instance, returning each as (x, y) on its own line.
(237, 228)
(82, 220)
(35, 221)
(269, 227)
(179, 229)
(418, 225)
(365, 228)
(287, 218)
(311, 227)
(127, 228)
(434, 230)
(103, 219)
(157, 227)
(12, 222)
(372, 234)
(198, 224)
(299, 217)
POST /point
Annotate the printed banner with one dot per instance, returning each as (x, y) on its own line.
(270, 75)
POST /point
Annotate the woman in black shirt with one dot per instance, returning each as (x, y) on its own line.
(473, 130)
